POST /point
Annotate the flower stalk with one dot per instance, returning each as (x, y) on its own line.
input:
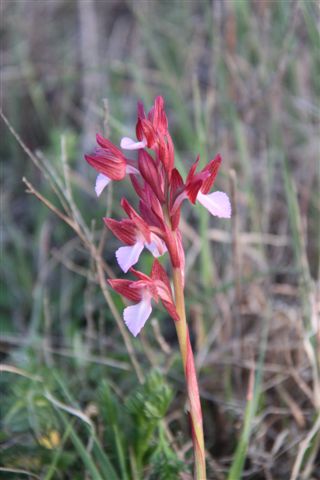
(161, 191)
(191, 378)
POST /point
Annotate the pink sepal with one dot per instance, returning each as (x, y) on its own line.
(152, 174)
(141, 225)
(108, 159)
(124, 288)
(212, 171)
(125, 230)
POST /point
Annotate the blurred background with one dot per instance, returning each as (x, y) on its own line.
(80, 398)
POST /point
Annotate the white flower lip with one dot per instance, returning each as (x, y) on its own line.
(129, 144)
(217, 203)
(136, 315)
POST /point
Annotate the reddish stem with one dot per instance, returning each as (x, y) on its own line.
(191, 378)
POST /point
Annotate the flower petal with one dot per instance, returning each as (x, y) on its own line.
(157, 246)
(129, 144)
(128, 256)
(101, 182)
(217, 203)
(152, 247)
(136, 315)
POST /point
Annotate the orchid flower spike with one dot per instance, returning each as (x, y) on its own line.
(160, 188)
(161, 191)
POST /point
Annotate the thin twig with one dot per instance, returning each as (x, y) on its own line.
(19, 472)
(66, 173)
(48, 204)
(304, 445)
(45, 169)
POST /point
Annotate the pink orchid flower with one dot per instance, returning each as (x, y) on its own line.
(143, 291)
(110, 162)
(137, 235)
(197, 187)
